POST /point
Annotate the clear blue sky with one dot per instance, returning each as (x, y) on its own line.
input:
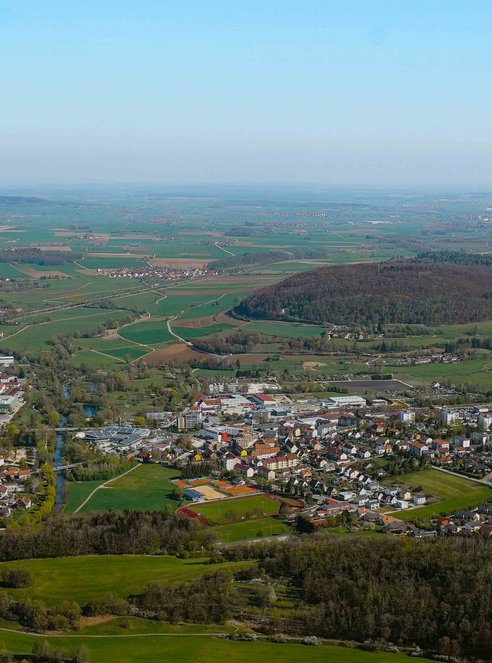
(340, 92)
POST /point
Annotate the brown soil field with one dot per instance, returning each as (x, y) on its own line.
(312, 365)
(198, 291)
(261, 246)
(113, 255)
(197, 323)
(137, 236)
(64, 248)
(73, 233)
(38, 274)
(247, 359)
(201, 233)
(239, 281)
(174, 352)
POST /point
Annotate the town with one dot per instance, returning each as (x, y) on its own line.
(344, 459)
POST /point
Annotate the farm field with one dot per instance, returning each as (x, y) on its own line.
(448, 492)
(84, 578)
(205, 649)
(475, 372)
(146, 488)
(37, 336)
(147, 333)
(215, 511)
(197, 332)
(285, 329)
(251, 529)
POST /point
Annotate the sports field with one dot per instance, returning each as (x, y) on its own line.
(251, 529)
(217, 511)
(448, 493)
(146, 488)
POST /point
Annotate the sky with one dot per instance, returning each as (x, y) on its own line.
(334, 92)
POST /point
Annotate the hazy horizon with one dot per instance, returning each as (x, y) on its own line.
(345, 94)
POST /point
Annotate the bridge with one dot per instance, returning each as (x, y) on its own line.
(66, 429)
(62, 468)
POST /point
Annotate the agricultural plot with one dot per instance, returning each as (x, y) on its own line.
(285, 329)
(214, 306)
(152, 332)
(36, 337)
(110, 262)
(127, 353)
(447, 493)
(198, 332)
(10, 272)
(146, 488)
(474, 372)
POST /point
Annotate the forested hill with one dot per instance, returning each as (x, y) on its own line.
(408, 291)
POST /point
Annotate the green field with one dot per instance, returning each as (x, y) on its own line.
(31, 335)
(77, 492)
(146, 488)
(448, 492)
(251, 529)
(285, 329)
(216, 511)
(475, 371)
(152, 332)
(197, 332)
(84, 578)
(203, 649)
(131, 352)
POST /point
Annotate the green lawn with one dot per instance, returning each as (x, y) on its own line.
(251, 529)
(448, 493)
(147, 488)
(216, 511)
(77, 492)
(151, 332)
(203, 649)
(84, 578)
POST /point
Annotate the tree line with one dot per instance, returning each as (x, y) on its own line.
(36, 256)
(106, 533)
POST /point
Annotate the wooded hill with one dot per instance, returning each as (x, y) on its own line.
(426, 290)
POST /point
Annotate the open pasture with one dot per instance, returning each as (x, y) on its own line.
(205, 649)
(152, 332)
(447, 493)
(84, 578)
